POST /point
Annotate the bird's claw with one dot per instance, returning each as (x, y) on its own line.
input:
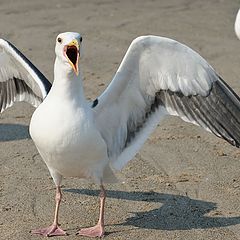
(53, 230)
(96, 231)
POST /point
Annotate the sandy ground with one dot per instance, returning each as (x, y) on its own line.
(184, 183)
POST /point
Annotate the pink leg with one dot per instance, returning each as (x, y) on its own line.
(54, 229)
(98, 230)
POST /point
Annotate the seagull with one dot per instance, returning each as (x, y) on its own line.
(237, 24)
(157, 77)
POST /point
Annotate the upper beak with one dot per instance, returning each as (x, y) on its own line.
(72, 54)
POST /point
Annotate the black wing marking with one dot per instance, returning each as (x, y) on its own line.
(218, 112)
(46, 83)
(95, 103)
(16, 89)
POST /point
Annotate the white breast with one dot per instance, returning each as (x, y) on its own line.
(67, 139)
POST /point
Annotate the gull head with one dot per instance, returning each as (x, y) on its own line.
(67, 50)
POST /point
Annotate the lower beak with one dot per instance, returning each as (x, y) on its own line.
(75, 66)
(72, 54)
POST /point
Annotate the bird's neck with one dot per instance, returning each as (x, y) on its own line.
(67, 84)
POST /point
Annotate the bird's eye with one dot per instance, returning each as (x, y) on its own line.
(59, 40)
(80, 39)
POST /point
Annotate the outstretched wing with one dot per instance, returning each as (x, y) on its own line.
(160, 76)
(20, 80)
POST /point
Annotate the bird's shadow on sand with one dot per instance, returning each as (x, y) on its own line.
(175, 213)
(10, 132)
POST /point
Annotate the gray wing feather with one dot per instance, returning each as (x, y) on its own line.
(218, 112)
(20, 80)
(16, 90)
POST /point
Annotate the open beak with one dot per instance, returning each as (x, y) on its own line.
(71, 52)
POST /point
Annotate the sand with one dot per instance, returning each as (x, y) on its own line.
(183, 184)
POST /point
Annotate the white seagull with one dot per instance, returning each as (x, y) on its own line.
(157, 77)
(237, 24)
